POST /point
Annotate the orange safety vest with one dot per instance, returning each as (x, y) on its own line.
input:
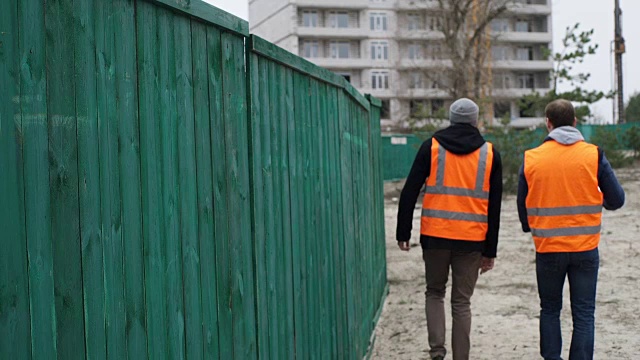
(564, 203)
(456, 203)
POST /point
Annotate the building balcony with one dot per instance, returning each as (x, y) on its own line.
(416, 4)
(406, 93)
(379, 93)
(526, 9)
(523, 65)
(333, 33)
(333, 4)
(515, 93)
(420, 35)
(524, 37)
(526, 122)
(340, 64)
(408, 64)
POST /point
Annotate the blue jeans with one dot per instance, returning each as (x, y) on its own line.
(582, 270)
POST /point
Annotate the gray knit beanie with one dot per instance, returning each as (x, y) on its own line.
(464, 111)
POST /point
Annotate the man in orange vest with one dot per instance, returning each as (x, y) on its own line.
(564, 183)
(460, 220)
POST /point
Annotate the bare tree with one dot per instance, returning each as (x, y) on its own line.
(466, 44)
(465, 27)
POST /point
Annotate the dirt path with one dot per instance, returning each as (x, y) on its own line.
(505, 305)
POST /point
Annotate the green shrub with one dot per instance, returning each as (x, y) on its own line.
(512, 143)
(608, 139)
(632, 140)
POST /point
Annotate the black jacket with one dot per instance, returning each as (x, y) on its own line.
(458, 139)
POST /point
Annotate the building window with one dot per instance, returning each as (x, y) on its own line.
(502, 110)
(526, 81)
(310, 49)
(434, 23)
(524, 53)
(345, 74)
(414, 21)
(499, 53)
(385, 110)
(435, 51)
(380, 50)
(380, 79)
(416, 80)
(436, 82)
(437, 106)
(310, 18)
(502, 81)
(523, 26)
(339, 49)
(418, 108)
(500, 25)
(378, 21)
(339, 19)
(415, 51)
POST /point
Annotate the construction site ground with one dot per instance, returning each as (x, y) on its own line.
(505, 304)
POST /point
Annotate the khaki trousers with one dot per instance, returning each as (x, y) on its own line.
(464, 267)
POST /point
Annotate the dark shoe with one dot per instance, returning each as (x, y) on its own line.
(439, 357)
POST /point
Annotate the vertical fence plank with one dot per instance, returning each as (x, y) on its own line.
(15, 334)
(319, 217)
(109, 179)
(348, 217)
(188, 194)
(337, 228)
(308, 253)
(35, 142)
(297, 215)
(273, 210)
(235, 114)
(129, 164)
(328, 215)
(170, 204)
(89, 174)
(150, 163)
(63, 165)
(204, 175)
(261, 178)
(287, 116)
(220, 196)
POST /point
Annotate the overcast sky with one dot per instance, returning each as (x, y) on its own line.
(591, 14)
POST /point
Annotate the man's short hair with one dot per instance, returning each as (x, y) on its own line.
(560, 112)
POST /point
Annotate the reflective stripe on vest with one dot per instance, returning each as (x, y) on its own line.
(457, 207)
(453, 215)
(571, 231)
(566, 210)
(564, 203)
(448, 190)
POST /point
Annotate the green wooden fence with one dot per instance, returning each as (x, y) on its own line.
(171, 187)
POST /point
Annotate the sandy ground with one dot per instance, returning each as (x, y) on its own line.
(505, 304)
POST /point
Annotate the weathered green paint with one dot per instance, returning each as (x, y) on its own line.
(63, 179)
(35, 145)
(188, 190)
(150, 165)
(202, 11)
(15, 334)
(175, 188)
(130, 177)
(89, 175)
(113, 254)
(206, 235)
